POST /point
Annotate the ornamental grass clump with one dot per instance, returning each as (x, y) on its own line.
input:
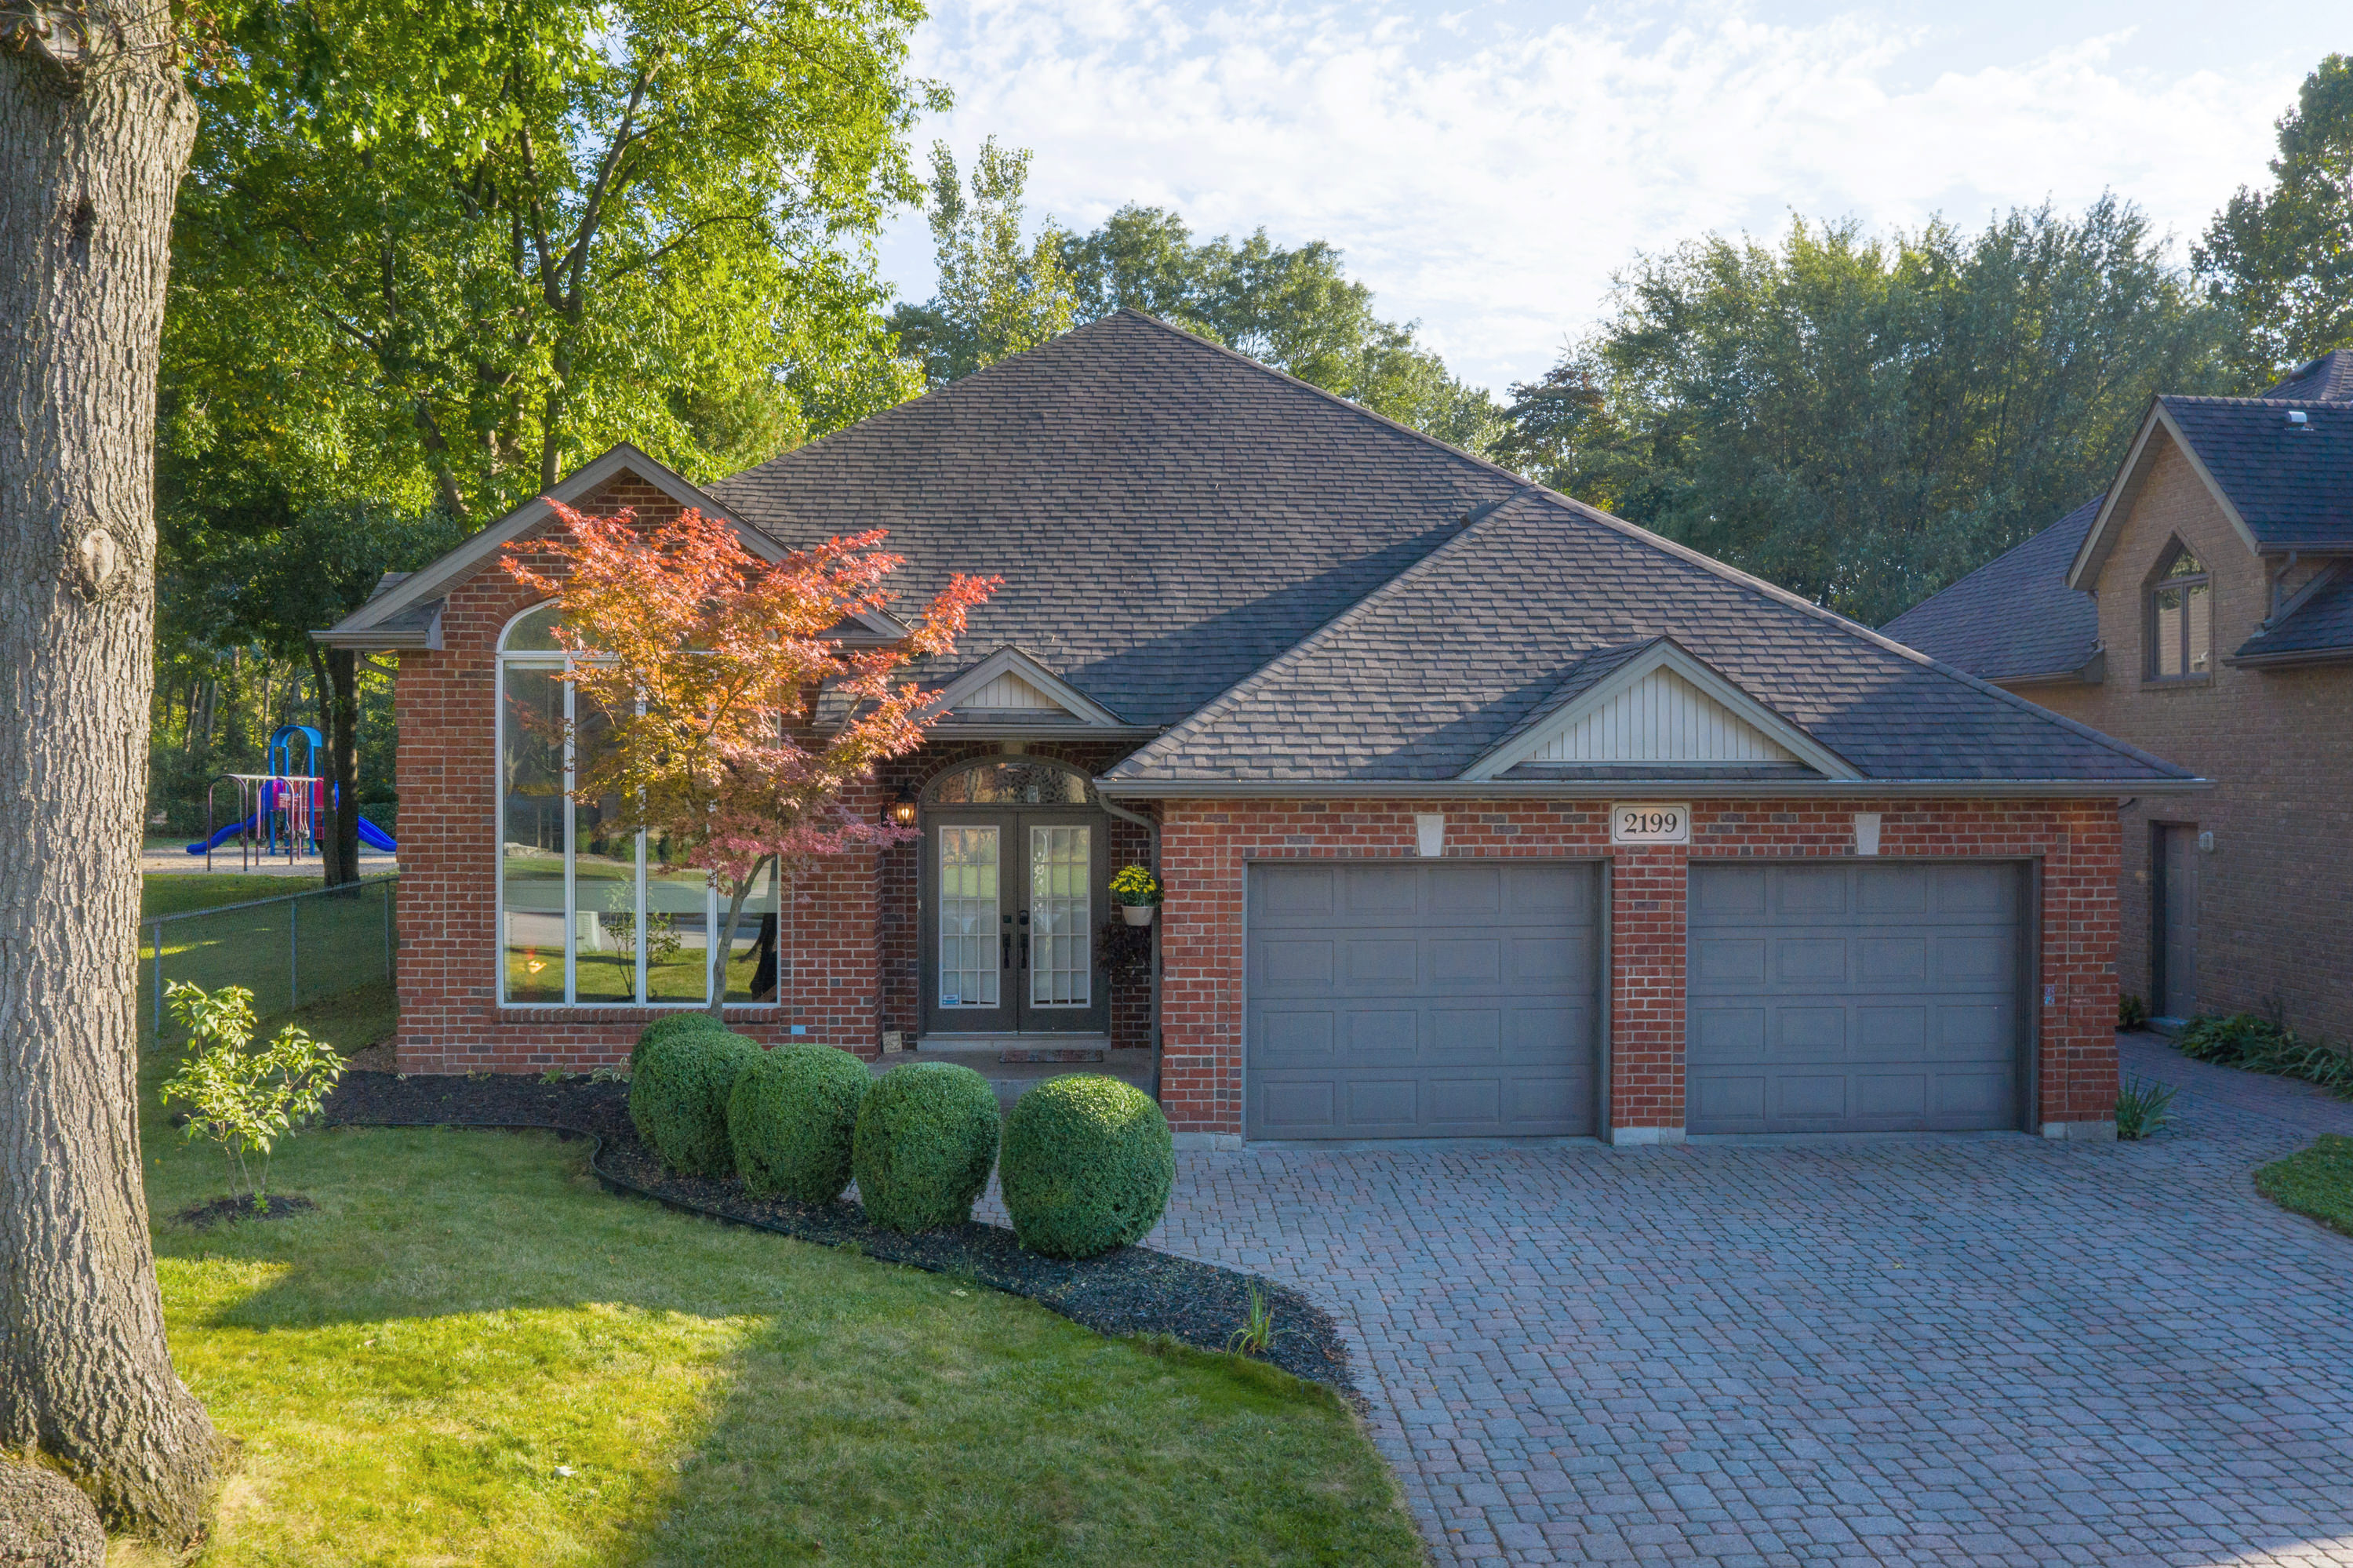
(1088, 1165)
(679, 1093)
(664, 1027)
(926, 1137)
(793, 1119)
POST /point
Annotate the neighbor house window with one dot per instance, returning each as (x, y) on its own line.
(2181, 619)
(592, 915)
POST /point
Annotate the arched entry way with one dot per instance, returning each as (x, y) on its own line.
(1016, 876)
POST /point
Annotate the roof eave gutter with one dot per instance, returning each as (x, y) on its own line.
(2288, 658)
(1623, 788)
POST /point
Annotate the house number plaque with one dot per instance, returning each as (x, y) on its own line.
(1650, 823)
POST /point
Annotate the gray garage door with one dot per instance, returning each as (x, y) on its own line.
(1439, 999)
(1855, 997)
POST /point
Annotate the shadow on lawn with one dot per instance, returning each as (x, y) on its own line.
(862, 1413)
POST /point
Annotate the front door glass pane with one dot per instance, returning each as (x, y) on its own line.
(530, 834)
(678, 901)
(968, 936)
(1060, 971)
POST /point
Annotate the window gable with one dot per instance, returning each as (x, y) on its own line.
(2178, 613)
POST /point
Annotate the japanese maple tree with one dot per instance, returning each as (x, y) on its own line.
(710, 665)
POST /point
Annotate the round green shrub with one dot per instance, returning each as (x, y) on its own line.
(1088, 1164)
(926, 1137)
(677, 1097)
(662, 1028)
(792, 1120)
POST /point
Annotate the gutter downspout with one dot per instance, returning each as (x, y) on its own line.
(1152, 853)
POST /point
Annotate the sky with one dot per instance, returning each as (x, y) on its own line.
(1487, 167)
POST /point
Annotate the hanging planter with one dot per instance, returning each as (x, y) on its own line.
(1137, 892)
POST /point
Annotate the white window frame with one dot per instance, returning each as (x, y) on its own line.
(715, 905)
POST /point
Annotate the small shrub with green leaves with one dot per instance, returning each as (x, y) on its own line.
(1088, 1165)
(793, 1119)
(2132, 1012)
(662, 1028)
(2142, 1107)
(243, 1098)
(926, 1137)
(2256, 1043)
(679, 1094)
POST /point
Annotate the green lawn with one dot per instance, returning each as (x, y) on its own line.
(177, 892)
(2317, 1182)
(472, 1354)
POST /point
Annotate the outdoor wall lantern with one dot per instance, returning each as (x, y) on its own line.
(902, 808)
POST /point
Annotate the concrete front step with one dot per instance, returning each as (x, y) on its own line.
(986, 1055)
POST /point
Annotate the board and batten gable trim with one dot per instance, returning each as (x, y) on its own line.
(1009, 672)
(1629, 709)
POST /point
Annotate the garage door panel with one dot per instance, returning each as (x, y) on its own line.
(1728, 961)
(1465, 960)
(1457, 999)
(1457, 1034)
(1727, 1034)
(1918, 1025)
(1289, 1037)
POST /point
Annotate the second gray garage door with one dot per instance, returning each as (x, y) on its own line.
(1407, 999)
(1873, 997)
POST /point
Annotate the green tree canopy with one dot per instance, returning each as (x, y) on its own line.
(443, 250)
(1293, 309)
(998, 296)
(2282, 259)
(1863, 420)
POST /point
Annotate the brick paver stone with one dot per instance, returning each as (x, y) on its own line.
(1991, 1350)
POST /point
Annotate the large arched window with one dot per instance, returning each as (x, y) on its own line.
(591, 915)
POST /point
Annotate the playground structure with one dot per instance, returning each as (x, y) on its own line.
(278, 812)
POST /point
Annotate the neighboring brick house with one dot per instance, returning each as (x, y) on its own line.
(1479, 812)
(2203, 609)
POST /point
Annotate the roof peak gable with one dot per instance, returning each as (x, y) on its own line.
(1658, 704)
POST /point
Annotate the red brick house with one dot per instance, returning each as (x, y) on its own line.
(1479, 812)
(2203, 608)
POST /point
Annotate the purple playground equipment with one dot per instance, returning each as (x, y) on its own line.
(280, 812)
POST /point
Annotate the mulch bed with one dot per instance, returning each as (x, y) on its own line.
(218, 1210)
(1130, 1290)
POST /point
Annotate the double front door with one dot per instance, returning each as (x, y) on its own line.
(1010, 902)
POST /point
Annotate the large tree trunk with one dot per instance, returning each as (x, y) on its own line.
(95, 130)
(339, 715)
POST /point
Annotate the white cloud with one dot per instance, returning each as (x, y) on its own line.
(1488, 179)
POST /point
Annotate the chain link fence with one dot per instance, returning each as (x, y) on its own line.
(290, 950)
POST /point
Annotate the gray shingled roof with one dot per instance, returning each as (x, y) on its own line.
(1167, 516)
(2328, 379)
(2292, 483)
(2015, 617)
(1398, 689)
(2322, 623)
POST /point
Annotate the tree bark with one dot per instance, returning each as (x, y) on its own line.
(337, 670)
(95, 131)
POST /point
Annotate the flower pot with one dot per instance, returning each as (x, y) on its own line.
(1137, 914)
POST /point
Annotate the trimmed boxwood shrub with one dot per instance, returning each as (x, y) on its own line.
(1088, 1164)
(677, 1097)
(926, 1137)
(664, 1027)
(792, 1120)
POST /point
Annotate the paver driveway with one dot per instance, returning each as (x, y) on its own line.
(1996, 1351)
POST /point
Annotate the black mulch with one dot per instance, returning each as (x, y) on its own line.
(214, 1211)
(1131, 1290)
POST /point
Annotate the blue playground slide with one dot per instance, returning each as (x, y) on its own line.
(370, 835)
